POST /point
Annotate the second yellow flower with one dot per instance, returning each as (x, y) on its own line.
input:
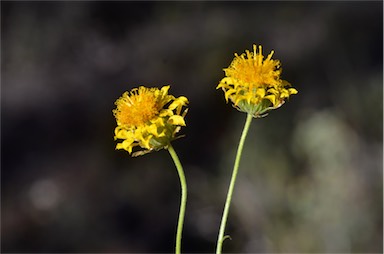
(253, 83)
(148, 118)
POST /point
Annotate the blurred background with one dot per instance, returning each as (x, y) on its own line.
(311, 175)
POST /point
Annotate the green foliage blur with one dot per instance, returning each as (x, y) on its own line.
(311, 175)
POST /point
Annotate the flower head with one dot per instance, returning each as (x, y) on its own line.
(253, 83)
(148, 118)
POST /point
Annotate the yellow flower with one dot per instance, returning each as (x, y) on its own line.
(149, 118)
(253, 83)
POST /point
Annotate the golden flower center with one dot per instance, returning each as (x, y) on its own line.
(253, 70)
(137, 109)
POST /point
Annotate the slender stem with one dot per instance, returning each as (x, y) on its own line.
(183, 202)
(221, 237)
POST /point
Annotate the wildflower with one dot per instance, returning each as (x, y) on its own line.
(254, 86)
(253, 83)
(148, 118)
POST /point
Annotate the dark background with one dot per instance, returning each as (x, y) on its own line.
(310, 178)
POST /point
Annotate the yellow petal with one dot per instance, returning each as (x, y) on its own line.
(249, 98)
(176, 120)
(164, 90)
(284, 93)
(145, 141)
(273, 91)
(123, 134)
(292, 91)
(260, 92)
(166, 112)
(178, 103)
(174, 105)
(225, 81)
(152, 129)
(126, 145)
(272, 98)
(229, 93)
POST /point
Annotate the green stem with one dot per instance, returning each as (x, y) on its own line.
(221, 237)
(183, 202)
